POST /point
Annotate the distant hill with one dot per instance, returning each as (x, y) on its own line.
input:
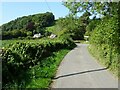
(27, 25)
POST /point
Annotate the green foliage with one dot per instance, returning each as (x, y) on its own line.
(29, 33)
(14, 34)
(106, 32)
(37, 20)
(104, 8)
(105, 42)
(32, 23)
(71, 26)
(39, 76)
(20, 56)
(91, 26)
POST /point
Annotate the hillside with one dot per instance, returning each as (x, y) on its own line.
(29, 62)
(27, 25)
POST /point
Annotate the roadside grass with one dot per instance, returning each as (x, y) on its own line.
(104, 61)
(40, 76)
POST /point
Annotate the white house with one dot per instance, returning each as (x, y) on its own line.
(37, 35)
(52, 36)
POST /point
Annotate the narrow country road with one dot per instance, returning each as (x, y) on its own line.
(79, 70)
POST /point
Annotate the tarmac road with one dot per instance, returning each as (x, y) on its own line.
(80, 70)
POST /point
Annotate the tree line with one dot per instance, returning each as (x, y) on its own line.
(27, 25)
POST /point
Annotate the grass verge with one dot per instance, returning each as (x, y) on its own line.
(110, 61)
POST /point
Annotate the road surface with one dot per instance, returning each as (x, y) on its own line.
(80, 70)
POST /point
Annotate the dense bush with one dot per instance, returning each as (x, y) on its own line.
(72, 26)
(91, 26)
(105, 42)
(20, 56)
(14, 34)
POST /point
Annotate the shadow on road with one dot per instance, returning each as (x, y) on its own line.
(81, 73)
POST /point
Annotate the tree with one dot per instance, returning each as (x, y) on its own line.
(30, 26)
(91, 26)
(31, 23)
(71, 26)
(104, 8)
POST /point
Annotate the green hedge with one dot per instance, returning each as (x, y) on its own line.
(20, 56)
(105, 43)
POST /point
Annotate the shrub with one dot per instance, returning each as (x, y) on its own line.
(105, 42)
(20, 56)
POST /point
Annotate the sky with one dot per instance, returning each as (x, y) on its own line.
(13, 10)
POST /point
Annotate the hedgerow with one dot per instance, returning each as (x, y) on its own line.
(20, 56)
(105, 43)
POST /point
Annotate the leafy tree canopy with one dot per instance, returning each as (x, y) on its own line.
(104, 8)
